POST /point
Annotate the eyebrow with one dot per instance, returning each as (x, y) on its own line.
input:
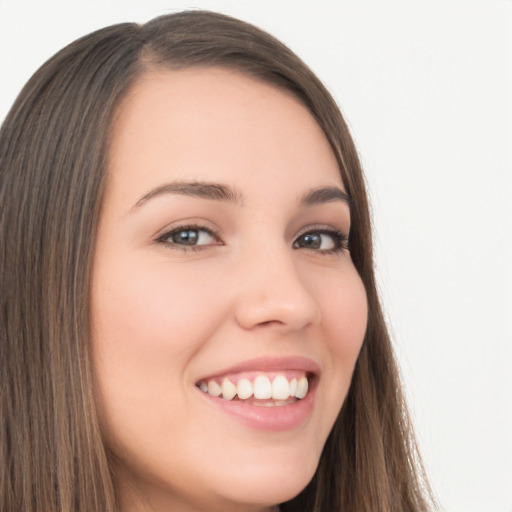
(213, 191)
(220, 192)
(324, 195)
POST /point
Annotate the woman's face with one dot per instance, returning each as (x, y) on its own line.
(221, 266)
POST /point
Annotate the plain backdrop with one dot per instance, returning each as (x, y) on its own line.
(426, 88)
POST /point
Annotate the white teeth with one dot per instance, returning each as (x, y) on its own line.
(228, 389)
(302, 388)
(244, 388)
(280, 388)
(262, 387)
(214, 389)
(293, 387)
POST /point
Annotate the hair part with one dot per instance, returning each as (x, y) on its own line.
(53, 168)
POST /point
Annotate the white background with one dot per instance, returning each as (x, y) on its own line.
(427, 90)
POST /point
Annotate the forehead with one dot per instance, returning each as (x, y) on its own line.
(213, 124)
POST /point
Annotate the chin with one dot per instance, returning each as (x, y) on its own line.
(270, 482)
(277, 490)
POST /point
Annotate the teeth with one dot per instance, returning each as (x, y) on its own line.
(280, 390)
(262, 387)
(244, 388)
(293, 387)
(302, 388)
(214, 389)
(274, 403)
(228, 389)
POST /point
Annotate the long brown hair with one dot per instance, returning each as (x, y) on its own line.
(53, 164)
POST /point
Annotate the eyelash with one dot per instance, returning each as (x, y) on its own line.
(340, 239)
(164, 239)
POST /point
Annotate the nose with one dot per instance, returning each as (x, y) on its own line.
(272, 292)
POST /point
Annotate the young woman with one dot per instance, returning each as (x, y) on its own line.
(189, 313)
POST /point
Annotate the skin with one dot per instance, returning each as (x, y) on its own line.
(165, 317)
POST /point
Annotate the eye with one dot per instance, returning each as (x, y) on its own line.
(189, 237)
(322, 240)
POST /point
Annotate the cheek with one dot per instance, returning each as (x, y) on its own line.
(344, 308)
(345, 316)
(153, 312)
(351, 316)
(147, 325)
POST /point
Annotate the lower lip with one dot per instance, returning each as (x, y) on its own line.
(276, 418)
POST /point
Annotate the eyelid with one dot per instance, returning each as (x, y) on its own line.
(324, 228)
(186, 223)
(341, 237)
(193, 226)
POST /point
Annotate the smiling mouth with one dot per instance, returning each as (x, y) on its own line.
(264, 389)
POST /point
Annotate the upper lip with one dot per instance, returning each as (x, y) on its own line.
(269, 364)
